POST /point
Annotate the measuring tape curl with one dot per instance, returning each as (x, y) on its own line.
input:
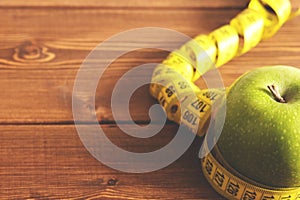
(172, 85)
(257, 22)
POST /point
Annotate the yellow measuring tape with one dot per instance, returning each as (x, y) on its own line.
(230, 184)
(172, 85)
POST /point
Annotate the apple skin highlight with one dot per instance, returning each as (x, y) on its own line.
(261, 136)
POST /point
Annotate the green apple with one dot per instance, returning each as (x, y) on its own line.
(261, 134)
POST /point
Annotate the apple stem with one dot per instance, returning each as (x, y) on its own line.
(276, 94)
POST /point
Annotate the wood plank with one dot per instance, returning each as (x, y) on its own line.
(133, 4)
(50, 162)
(40, 92)
(169, 4)
(86, 25)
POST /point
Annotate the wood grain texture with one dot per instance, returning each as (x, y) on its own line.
(129, 4)
(41, 92)
(42, 46)
(50, 162)
(175, 4)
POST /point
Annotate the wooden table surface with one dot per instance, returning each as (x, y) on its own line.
(41, 154)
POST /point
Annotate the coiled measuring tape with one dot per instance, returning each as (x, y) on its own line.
(172, 85)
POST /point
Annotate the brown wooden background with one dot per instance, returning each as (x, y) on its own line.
(41, 156)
